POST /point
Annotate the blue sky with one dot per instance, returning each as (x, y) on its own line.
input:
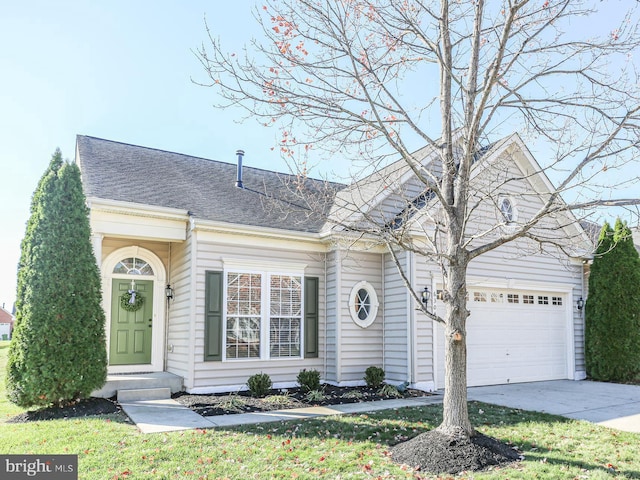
(119, 70)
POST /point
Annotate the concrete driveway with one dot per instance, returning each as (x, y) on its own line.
(609, 404)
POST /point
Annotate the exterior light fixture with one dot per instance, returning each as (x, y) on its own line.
(580, 303)
(426, 295)
(168, 293)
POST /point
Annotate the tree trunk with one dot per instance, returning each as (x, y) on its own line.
(455, 421)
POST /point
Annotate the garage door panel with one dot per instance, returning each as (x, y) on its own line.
(512, 342)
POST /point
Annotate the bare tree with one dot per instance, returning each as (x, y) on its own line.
(367, 79)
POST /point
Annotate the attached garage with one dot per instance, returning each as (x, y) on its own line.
(512, 336)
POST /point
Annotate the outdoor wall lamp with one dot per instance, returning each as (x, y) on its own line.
(168, 293)
(426, 294)
(580, 303)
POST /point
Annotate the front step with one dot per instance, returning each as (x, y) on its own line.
(142, 394)
(137, 381)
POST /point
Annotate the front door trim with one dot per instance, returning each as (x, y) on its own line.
(159, 311)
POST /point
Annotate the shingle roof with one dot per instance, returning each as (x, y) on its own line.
(206, 188)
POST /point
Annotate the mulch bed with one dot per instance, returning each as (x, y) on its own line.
(83, 408)
(243, 402)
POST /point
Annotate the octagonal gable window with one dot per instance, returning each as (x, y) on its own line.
(363, 304)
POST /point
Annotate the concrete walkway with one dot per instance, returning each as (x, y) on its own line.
(155, 416)
(612, 405)
(609, 404)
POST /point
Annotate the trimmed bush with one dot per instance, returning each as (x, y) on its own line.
(309, 380)
(612, 310)
(58, 352)
(374, 376)
(259, 384)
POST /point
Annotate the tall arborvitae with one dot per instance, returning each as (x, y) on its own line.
(612, 312)
(58, 351)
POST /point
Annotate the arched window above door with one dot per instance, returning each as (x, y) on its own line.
(133, 266)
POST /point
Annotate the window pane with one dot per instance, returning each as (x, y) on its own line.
(363, 304)
(285, 316)
(133, 266)
(479, 296)
(243, 294)
(284, 336)
(243, 337)
(243, 315)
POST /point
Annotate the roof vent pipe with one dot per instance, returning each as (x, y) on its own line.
(240, 154)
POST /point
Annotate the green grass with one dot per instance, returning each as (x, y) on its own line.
(332, 447)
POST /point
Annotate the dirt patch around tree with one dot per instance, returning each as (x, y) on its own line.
(433, 452)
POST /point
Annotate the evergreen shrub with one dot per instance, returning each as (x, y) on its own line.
(58, 352)
(612, 309)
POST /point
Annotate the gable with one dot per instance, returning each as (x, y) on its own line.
(397, 198)
(5, 317)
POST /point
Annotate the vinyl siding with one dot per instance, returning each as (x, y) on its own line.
(178, 334)
(425, 328)
(214, 374)
(333, 320)
(359, 347)
(396, 323)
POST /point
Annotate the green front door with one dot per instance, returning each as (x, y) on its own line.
(131, 330)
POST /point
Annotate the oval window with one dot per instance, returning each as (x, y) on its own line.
(363, 304)
(507, 209)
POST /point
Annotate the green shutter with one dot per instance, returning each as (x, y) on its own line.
(311, 317)
(213, 316)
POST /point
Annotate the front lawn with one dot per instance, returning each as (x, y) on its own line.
(334, 447)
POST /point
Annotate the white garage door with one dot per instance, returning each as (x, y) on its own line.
(512, 336)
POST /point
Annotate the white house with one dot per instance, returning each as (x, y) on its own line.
(257, 288)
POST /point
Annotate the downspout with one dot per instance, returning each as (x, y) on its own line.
(338, 357)
(190, 382)
(326, 326)
(384, 309)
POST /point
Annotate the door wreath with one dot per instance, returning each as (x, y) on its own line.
(131, 301)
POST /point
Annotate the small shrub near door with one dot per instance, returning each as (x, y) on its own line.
(309, 380)
(374, 376)
(259, 384)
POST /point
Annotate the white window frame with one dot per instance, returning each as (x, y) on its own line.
(514, 210)
(265, 310)
(374, 304)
